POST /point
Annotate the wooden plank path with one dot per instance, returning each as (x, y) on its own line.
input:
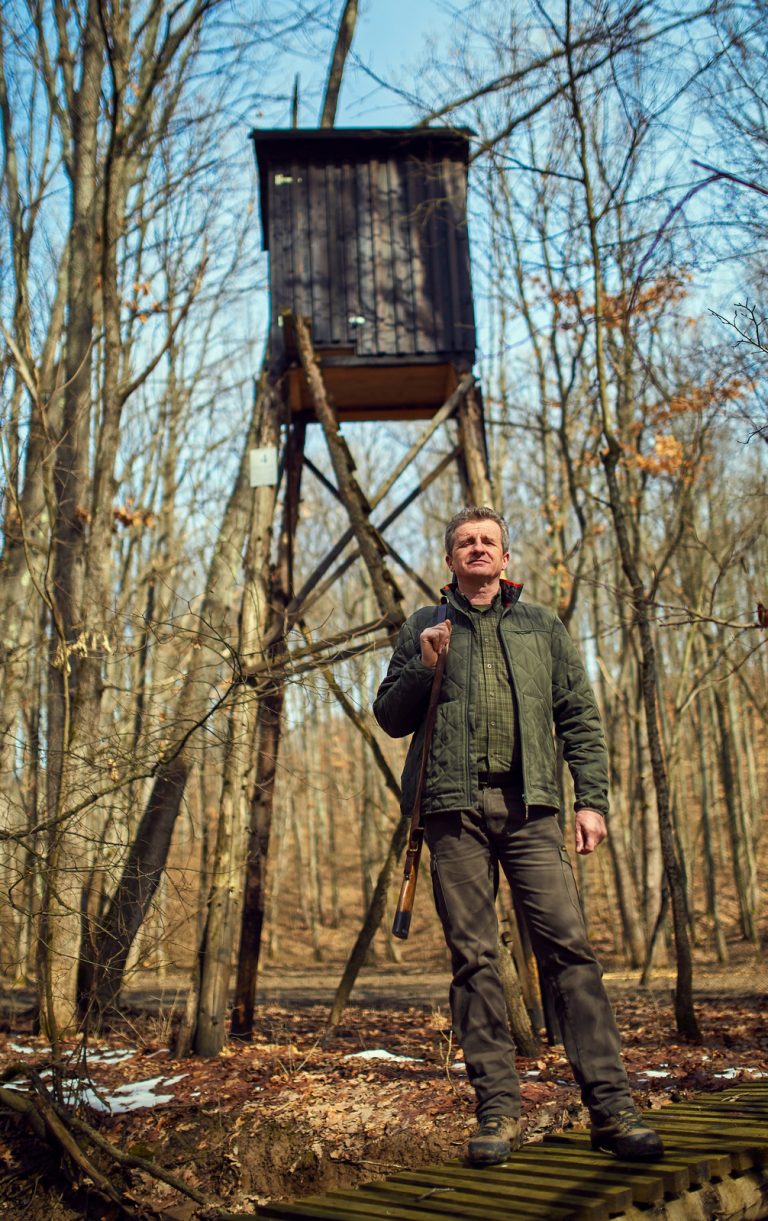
(716, 1165)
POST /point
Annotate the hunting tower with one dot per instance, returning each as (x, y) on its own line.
(367, 234)
(371, 318)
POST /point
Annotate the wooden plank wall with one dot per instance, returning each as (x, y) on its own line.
(378, 238)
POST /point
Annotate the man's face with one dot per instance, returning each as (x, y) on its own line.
(477, 555)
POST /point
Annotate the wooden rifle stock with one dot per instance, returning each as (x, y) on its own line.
(401, 925)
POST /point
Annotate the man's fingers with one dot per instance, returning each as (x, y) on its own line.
(433, 641)
(590, 831)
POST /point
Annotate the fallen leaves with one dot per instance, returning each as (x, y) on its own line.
(301, 1109)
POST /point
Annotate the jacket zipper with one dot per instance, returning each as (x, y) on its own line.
(469, 672)
(516, 694)
(467, 761)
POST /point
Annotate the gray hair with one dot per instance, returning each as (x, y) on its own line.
(475, 513)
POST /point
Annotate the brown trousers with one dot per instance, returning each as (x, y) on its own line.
(467, 849)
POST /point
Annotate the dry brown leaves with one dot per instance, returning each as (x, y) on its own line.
(302, 1109)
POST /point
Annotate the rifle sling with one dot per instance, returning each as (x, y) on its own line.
(429, 727)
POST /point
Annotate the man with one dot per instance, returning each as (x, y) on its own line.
(490, 799)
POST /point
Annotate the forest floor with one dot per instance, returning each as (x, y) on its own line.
(301, 1109)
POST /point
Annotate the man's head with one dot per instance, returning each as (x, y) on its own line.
(474, 513)
(477, 550)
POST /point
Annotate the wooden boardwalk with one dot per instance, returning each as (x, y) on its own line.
(716, 1166)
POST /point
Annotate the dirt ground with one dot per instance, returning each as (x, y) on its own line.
(302, 1109)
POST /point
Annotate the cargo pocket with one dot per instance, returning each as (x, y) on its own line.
(570, 881)
(437, 894)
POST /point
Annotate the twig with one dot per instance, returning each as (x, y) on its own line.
(62, 1135)
(49, 1120)
(138, 1163)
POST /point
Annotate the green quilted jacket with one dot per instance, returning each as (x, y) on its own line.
(551, 690)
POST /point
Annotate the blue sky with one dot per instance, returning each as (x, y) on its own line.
(392, 39)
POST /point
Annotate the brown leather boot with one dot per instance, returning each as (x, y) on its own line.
(493, 1140)
(626, 1134)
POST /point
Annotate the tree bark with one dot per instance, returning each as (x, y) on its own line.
(149, 848)
(215, 955)
(341, 49)
(371, 922)
(269, 724)
(740, 854)
(474, 452)
(72, 701)
(642, 605)
(710, 866)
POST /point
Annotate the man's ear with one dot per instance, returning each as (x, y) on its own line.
(449, 562)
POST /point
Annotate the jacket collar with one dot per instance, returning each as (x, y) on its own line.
(510, 591)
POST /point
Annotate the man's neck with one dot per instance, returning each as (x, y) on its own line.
(481, 595)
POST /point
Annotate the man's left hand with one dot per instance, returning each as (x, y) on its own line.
(590, 831)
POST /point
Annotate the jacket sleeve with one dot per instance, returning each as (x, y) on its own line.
(577, 724)
(401, 701)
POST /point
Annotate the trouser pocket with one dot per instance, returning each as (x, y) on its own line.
(569, 881)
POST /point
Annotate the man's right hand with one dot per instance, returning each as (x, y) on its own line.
(433, 641)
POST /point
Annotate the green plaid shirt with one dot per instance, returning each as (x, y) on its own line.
(497, 736)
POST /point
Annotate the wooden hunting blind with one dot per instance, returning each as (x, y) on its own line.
(371, 318)
(367, 235)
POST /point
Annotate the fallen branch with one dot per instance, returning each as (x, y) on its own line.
(56, 1125)
(42, 1114)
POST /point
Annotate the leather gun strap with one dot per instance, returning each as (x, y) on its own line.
(429, 727)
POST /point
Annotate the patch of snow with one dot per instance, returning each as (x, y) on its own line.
(728, 1074)
(95, 1055)
(379, 1053)
(112, 1056)
(655, 1072)
(133, 1096)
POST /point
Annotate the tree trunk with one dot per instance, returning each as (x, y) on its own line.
(215, 954)
(336, 71)
(269, 724)
(369, 864)
(314, 882)
(474, 452)
(149, 848)
(710, 868)
(526, 1042)
(371, 922)
(70, 704)
(740, 855)
(226, 884)
(641, 604)
(279, 839)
